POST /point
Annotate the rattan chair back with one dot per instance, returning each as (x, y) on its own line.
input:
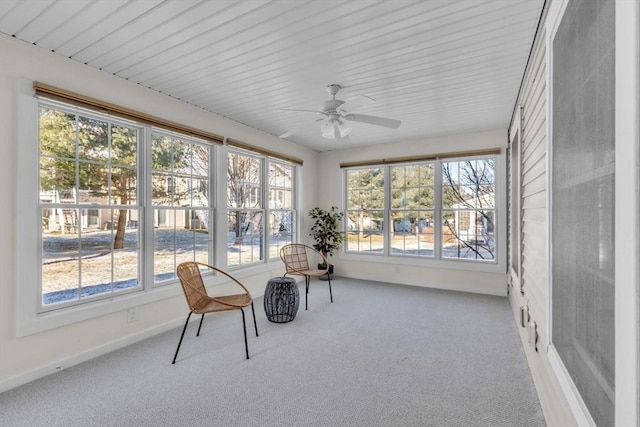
(294, 256)
(192, 284)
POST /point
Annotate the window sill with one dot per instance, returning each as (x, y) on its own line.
(33, 323)
(450, 264)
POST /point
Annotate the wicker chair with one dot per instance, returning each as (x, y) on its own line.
(296, 257)
(201, 303)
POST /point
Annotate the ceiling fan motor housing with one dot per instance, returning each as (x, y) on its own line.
(330, 106)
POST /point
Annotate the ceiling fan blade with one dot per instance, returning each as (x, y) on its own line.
(356, 102)
(373, 120)
(301, 111)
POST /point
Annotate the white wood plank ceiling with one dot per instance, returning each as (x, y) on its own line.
(439, 66)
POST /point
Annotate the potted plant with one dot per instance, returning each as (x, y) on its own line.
(326, 232)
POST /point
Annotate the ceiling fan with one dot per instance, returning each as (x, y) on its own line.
(336, 113)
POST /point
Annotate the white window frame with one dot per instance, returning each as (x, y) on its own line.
(498, 265)
(110, 204)
(265, 194)
(30, 319)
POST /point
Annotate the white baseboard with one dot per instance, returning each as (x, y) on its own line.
(52, 368)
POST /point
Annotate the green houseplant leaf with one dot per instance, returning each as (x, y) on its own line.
(326, 230)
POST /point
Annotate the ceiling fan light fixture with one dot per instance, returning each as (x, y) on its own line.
(344, 130)
(327, 129)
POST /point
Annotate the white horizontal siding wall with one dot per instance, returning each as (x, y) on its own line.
(533, 228)
(534, 193)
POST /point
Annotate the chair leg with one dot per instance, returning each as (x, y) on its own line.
(254, 319)
(200, 326)
(330, 294)
(244, 327)
(307, 280)
(181, 336)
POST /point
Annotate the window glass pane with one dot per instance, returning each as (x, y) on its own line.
(93, 182)
(161, 152)
(57, 175)
(179, 235)
(93, 140)
(244, 237)
(60, 258)
(280, 185)
(57, 133)
(412, 233)
(281, 225)
(162, 185)
(365, 231)
(124, 146)
(468, 234)
(123, 186)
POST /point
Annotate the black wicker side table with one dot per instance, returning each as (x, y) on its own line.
(281, 299)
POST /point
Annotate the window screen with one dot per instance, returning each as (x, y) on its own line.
(583, 202)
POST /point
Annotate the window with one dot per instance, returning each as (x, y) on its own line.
(89, 206)
(468, 206)
(245, 211)
(249, 235)
(181, 208)
(92, 186)
(412, 209)
(365, 210)
(281, 206)
(436, 209)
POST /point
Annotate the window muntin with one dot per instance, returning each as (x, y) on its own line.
(437, 209)
(365, 210)
(182, 211)
(89, 207)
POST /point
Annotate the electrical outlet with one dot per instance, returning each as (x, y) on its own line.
(132, 315)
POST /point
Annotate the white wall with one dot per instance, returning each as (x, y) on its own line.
(32, 356)
(457, 275)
